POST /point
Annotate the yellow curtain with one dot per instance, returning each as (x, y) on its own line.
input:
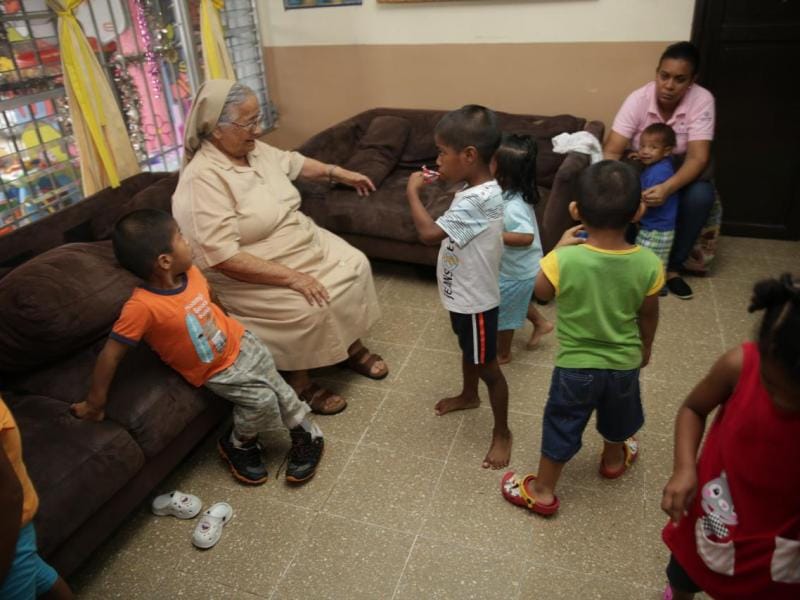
(217, 63)
(106, 154)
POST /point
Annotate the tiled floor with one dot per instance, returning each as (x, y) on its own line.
(401, 508)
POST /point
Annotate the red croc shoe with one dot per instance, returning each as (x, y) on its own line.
(516, 491)
(631, 447)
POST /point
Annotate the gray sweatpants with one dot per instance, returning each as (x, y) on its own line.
(262, 400)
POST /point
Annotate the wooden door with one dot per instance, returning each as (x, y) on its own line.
(750, 61)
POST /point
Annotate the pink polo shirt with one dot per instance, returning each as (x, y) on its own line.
(692, 120)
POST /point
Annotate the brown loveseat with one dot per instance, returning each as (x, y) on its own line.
(58, 306)
(388, 144)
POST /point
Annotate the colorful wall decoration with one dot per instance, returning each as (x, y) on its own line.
(289, 4)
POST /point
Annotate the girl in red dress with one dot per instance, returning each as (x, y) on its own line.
(734, 528)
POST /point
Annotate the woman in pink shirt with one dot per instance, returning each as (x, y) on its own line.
(675, 99)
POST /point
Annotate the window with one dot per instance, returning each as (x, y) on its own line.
(139, 44)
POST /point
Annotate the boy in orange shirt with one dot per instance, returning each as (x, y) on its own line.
(174, 314)
(23, 573)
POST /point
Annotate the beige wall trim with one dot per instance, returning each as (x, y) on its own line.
(317, 86)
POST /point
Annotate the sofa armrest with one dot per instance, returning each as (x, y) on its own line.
(556, 217)
(333, 145)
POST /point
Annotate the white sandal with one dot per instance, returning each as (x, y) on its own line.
(209, 527)
(176, 504)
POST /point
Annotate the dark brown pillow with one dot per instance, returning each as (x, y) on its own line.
(60, 302)
(380, 148)
(158, 195)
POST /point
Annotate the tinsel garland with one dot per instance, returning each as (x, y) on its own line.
(131, 105)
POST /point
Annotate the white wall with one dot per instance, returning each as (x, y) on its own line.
(477, 21)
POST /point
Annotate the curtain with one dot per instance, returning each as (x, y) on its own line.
(217, 63)
(106, 154)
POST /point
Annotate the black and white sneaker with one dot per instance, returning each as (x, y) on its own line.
(304, 455)
(678, 287)
(246, 463)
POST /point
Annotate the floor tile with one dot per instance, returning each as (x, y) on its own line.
(685, 363)
(748, 267)
(439, 334)
(547, 583)
(362, 404)
(344, 559)
(408, 425)
(694, 320)
(401, 325)
(732, 294)
(192, 587)
(528, 387)
(431, 374)
(256, 546)
(417, 290)
(389, 489)
(661, 401)
(781, 249)
(468, 511)
(739, 246)
(460, 573)
(475, 434)
(739, 326)
(116, 576)
(588, 525)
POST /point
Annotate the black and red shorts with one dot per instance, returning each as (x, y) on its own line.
(477, 335)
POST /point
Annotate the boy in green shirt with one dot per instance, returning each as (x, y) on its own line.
(607, 292)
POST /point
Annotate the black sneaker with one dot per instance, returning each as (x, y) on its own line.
(678, 287)
(304, 456)
(246, 463)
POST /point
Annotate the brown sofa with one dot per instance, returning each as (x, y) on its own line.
(58, 306)
(389, 144)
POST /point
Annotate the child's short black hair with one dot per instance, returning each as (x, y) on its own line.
(608, 194)
(140, 237)
(779, 334)
(470, 125)
(682, 51)
(663, 130)
(515, 160)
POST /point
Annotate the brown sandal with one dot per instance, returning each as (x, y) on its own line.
(317, 398)
(365, 368)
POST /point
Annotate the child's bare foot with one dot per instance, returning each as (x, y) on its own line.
(499, 453)
(446, 405)
(540, 330)
(503, 359)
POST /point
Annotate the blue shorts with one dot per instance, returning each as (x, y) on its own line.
(515, 296)
(477, 335)
(29, 576)
(575, 393)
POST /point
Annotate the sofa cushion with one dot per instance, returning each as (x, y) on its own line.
(421, 149)
(76, 466)
(60, 302)
(379, 148)
(158, 195)
(147, 398)
(343, 211)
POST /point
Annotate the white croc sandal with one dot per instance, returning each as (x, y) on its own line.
(176, 504)
(209, 527)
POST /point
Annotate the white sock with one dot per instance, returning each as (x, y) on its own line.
(311, 428)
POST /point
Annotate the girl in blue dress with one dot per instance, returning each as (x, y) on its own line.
(514, 167)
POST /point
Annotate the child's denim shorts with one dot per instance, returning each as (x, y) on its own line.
(575, 393)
